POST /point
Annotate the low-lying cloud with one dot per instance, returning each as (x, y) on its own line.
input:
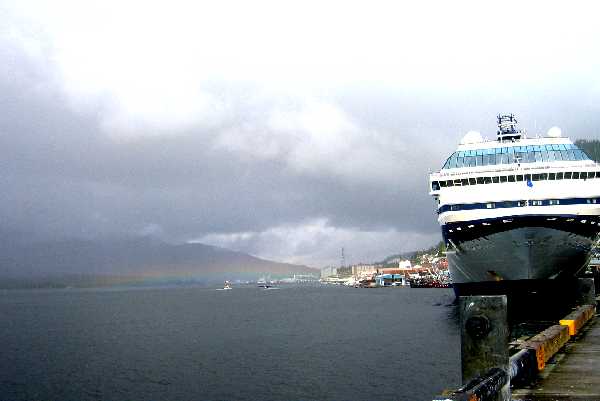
(312, 243)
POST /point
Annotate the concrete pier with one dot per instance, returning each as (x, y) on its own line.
(573, 372)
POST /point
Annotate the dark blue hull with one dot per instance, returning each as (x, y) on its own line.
(487, 252)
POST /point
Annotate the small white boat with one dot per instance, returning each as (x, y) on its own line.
(227, 286)
(263, 283)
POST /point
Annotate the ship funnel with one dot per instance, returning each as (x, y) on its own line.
(507, 130)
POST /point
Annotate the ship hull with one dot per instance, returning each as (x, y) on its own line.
(499, 255)
(520, 254)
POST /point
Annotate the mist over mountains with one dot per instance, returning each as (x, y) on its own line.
(112, 261)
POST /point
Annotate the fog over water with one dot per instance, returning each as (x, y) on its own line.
(282, 129)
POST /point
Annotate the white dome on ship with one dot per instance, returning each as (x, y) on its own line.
(554, 132)
(471, 137)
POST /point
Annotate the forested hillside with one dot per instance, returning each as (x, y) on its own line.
(591, 147)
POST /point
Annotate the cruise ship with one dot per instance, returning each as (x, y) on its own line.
(516, 209)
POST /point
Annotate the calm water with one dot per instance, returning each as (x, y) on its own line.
(294, 343)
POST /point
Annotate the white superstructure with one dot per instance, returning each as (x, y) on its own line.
(517, 208)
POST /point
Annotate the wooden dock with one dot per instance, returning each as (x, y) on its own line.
(572, 374)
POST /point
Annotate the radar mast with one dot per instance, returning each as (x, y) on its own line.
(507, 130)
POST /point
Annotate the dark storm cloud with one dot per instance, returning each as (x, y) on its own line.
(62, 177)
(282, 165)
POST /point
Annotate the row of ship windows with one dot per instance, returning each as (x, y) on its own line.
(515, 154)
(509, 220)
(519, 203)
(575, 175)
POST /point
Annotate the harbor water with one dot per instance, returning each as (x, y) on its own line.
(192, 343)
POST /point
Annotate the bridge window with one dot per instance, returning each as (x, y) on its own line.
(472, 181)
(503, 179)
(514, 154)
(552, 176)
(576, 175)
(519, 177)
(568, 175)
(435, 185)
(511, 178)
(559, 176)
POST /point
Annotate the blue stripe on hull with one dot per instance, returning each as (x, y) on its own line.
(579, 225)
(517, 203)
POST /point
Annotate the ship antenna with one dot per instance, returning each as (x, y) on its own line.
(507, 130)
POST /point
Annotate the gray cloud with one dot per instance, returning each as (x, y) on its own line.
(282, 168)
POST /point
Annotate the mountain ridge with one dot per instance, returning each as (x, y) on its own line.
(140, 258)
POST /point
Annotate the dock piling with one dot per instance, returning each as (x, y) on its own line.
(586, 291)
(486, 368)
(484, 338)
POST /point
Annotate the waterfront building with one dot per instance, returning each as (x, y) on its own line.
(364, 270)
(328, 271)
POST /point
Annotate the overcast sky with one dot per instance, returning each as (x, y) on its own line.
(283, 129)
